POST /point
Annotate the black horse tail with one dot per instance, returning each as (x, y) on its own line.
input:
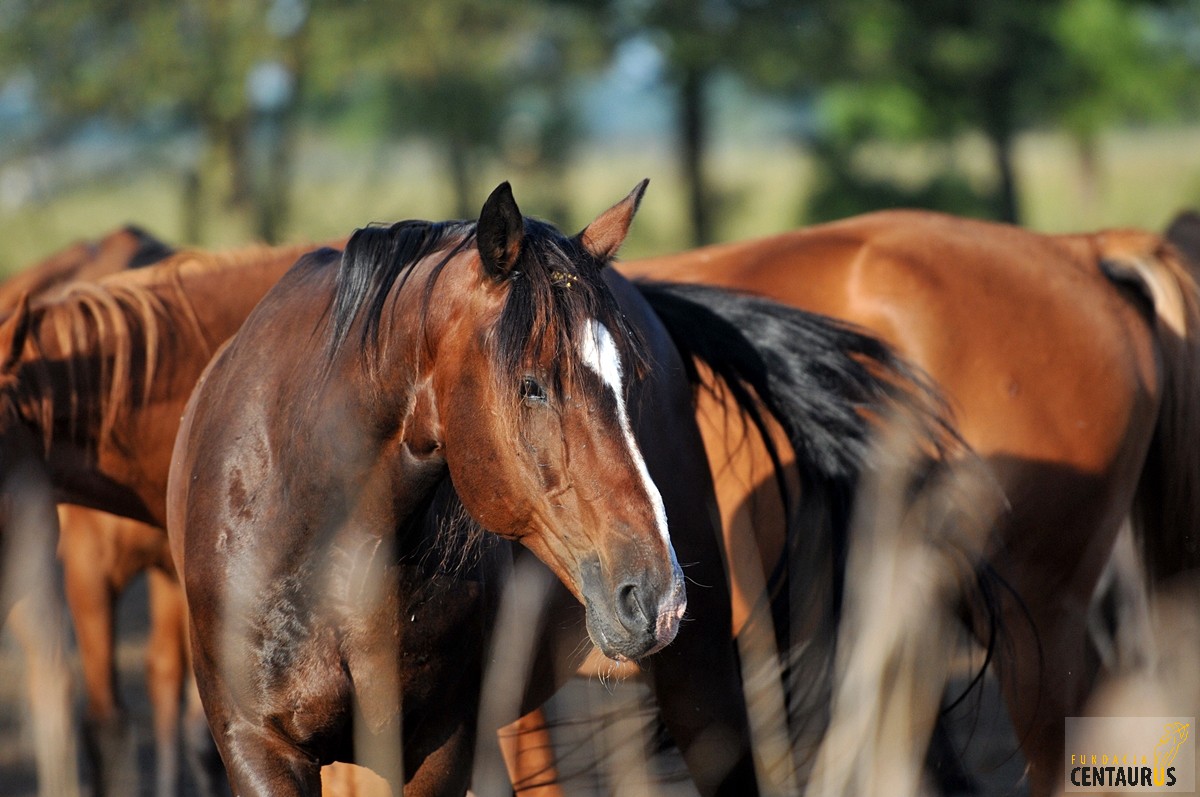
(827, 385)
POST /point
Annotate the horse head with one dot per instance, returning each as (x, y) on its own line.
(521, 392)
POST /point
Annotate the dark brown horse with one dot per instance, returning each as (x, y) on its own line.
(494, 354)
(1070, 363)
(310, 491)
(1184, 234)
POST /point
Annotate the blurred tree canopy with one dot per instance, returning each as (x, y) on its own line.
(487, 81)
(909, 70)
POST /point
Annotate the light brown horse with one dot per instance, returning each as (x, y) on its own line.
(78, 384)
(101, 553)
(1070, 362)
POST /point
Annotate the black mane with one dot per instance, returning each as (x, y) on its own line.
(555, 288)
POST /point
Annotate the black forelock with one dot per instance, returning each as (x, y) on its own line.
(556, 288)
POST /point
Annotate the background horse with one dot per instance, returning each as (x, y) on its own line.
(1068, 361)
(78, 380)
(100, 553)
(1184, 234)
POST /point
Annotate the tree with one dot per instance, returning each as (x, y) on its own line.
(132, 63)
(935, 69)
(751, 38)
(447, 71)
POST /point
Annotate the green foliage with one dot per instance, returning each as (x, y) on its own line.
(939, 69)
(488, 86)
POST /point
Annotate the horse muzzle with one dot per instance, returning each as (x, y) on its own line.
(637, 616)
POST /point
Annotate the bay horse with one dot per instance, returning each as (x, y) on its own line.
(315, 460)
(493, 357)
(1070, 364)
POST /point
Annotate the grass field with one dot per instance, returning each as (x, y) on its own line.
(1141, 178)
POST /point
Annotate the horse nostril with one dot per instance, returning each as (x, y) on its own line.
(631, 610)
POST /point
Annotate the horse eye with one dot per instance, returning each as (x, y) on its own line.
(532, 391)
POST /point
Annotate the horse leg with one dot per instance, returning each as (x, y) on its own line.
(529, 756)
(447, 770)
(49, 682)
(1049, 679)
(910, 565)
(200, 750)
(108, 737)
(893, 662)
(165, 663)
(261, 763)
(31, 598)
(1120, 626)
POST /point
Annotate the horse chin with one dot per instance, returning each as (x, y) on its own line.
(621, 650)
(622, 645)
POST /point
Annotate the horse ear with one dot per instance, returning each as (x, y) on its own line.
(604, 236)
(500, 231)
(17, 328)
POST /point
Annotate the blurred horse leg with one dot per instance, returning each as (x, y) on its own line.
(85, 547)
(909, 568)
(529, 756)
(49, 682)
(29, 575)
(1120, 626)
(203, 759)
(166, 658)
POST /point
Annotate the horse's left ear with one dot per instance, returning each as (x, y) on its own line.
(16, 327)
(604, 236)
(500, 231)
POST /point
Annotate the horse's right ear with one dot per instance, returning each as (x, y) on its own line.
(16, 329)
(500, 232)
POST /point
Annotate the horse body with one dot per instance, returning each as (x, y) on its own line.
(337, 465)
(115, 458)
(1056, 380)
(123, 248)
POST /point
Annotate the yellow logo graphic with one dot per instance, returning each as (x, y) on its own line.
(1099, 758)
(1174, 735)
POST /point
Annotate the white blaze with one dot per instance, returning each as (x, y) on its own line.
(599, 352)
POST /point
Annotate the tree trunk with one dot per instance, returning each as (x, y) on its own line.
(1007, 204)
(999, 105)
(693, 129)
(275, 200)
(192, 208)
(459, 157)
